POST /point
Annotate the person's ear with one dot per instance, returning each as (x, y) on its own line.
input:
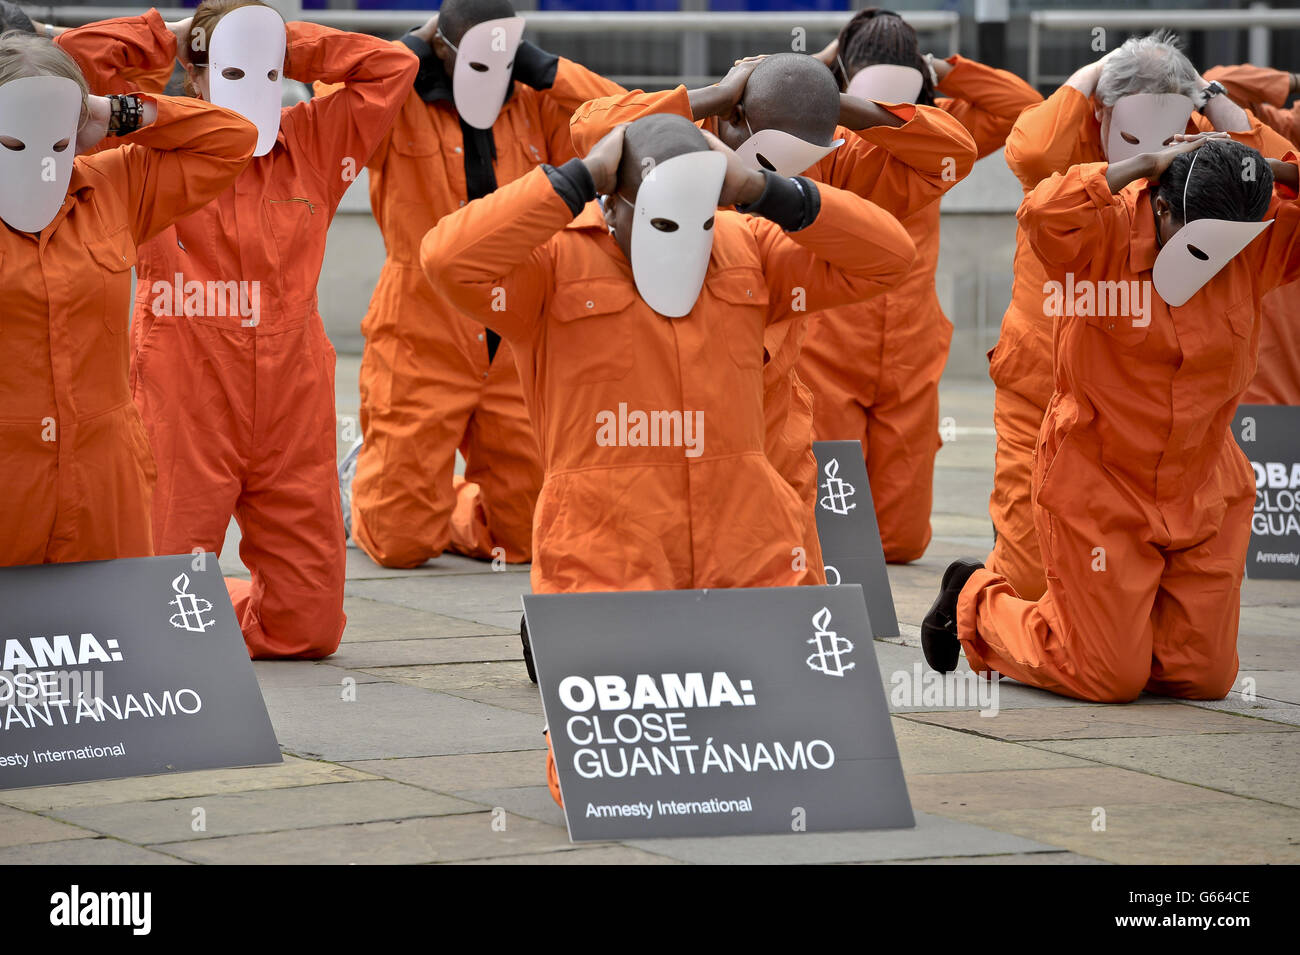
(737, 116)
(1161, 206)
(442, 51)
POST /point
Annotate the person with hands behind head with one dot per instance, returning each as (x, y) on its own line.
(1130, 101)
(874, 368)
(486, 108)
(784, 112)
(638, 327)
(1141, 496)
(82, 471)
(232, 369)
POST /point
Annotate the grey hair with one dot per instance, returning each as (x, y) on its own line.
(1148, 64)
(26, 54)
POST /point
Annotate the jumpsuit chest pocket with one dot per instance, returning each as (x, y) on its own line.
(743, 316)
(1121, 329)
(115, 255)
(590, 330)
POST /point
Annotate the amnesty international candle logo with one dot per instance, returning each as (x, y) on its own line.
(831, 647)
(190, 609)
(838, 492)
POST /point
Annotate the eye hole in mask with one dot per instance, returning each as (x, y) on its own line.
(762, 161)
(273, 75)
(1198, 253)
(708, 225)
(1129, 138)
(232, 73)
(479, 67)
(62, 145)
(664, 225)
(16, 145)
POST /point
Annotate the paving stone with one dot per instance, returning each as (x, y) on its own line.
(969, 796)
(1258, 708)
(503, 684)
(1247, 832)
(267, 811)
(606, 855)
(423, 652)
(1264, 766)
(1276, 593)
(84, 852)
(1015, 858)
(275, 673)
(291, 773)
(933, 836)
(1100, 722)
(391, 720)
(19, 828)
(532, 802)
(374, 621)
(406, 842)
(453, 774)
(361, 567)
(933, 749)
(494, 599)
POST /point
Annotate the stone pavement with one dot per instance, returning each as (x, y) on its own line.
(444, 738)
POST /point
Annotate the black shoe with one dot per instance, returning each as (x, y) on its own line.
(939, 628)
(528, 649)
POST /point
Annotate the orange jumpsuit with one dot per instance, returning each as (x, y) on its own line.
(1277, 380)
(622, 517)
(427, 384)
(1049, 138)
(1143, 499)
(79, 471)
(874, 368)
(240, 407)
(902, 170)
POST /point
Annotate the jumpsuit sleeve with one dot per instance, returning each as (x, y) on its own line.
(904, 168)
(124, 54)
(1070, 215)
(177, 164)
(851, 251)
(574, 85)
(1262, 91)
(1260, 137)
(985, 100)
(1045, 139)
(1279, 259)
(347, 124)
(492, 252)
(592, 120)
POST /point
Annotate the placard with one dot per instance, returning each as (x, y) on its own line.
(716, 712)
(1270, 436)
(124, 668)
(849, 532)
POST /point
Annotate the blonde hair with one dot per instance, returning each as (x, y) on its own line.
(24, 55)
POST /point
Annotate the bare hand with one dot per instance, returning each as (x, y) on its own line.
(603, 160)
(181, 30)
(741, 185)
(427, 31)
(829, 52)
(733, 84)
(1181, 143)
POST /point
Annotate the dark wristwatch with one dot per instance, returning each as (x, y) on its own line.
(1214, 89)
(125, 114)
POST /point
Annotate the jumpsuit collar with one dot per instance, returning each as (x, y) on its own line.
(1143, 246)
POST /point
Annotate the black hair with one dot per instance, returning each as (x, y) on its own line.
(457, 16)
(658, 137)
(795, 93)
(12, 17)
(1229, 181)
(876, 36)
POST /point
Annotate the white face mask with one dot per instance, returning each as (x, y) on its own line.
(485, 61)
(780, 152)
(249, 43)
(1142, 122)
(41, 112)
(887, 83)
(672, 230)
(1198, 252)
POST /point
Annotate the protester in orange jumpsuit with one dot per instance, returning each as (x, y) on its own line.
(432, 380)
(1143, 498)
(232, 370)
(1277, 380)
(620, 509)
(80, 469)
(1069, 128)
(902, 158)
(874, 368)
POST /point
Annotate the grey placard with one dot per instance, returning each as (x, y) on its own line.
(124, 668)
(1270, 436)
(849, 533)
(747, 711)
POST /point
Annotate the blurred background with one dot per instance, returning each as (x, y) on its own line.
(656, 44)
